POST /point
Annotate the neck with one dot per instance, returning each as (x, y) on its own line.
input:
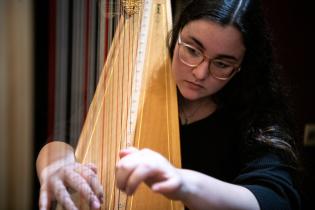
(192, 111)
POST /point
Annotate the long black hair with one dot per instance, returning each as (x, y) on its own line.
(254, 96)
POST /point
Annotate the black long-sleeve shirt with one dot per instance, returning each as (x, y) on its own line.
(213, 146)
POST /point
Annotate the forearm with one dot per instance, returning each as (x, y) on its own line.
(201, 192)
(51, 156)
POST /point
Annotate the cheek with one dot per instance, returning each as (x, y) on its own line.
(176, 66)
(175, 69)
(213, 85)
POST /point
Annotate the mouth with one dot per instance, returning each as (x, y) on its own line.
(193, 85)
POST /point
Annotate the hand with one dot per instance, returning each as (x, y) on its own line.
(57, 179)
(147, 166)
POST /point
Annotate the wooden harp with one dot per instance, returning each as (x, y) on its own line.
(135, 104)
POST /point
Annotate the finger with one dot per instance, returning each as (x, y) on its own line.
(122, 174)
(125, 167)
(140, 174)
(92, 179)
(91, 166)
(44, 199)
(127, 151)
(79, 184)
(62, 195)
(167, 186)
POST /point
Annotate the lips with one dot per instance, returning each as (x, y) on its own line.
(193, 85)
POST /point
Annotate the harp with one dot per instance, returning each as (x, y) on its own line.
(135, 104)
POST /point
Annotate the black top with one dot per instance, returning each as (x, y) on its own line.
(213, 146)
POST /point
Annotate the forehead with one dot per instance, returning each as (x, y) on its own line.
(214, 37)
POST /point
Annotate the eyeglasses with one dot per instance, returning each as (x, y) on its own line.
(218, 68)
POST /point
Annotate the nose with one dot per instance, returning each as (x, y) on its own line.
(201, 71)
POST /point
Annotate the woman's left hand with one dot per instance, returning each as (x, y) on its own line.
(150, 167)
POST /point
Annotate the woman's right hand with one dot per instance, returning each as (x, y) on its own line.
(59, 178)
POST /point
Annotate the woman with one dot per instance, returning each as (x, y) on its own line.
(236, 131)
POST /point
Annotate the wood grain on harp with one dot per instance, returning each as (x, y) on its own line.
(135, 104)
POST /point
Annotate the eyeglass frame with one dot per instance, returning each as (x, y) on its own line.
(205, 57)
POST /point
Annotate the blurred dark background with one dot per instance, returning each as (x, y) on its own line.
(292, 24)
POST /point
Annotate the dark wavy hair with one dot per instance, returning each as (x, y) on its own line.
(254, 95)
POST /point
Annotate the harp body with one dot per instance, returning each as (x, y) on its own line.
(135, 104)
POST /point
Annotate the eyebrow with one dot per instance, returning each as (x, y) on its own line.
(224, 56)
(220, 56)
(197, 42)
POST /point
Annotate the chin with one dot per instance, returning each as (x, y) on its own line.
(190, 95)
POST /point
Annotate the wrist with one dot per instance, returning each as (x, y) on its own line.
(188, 185)
(51, 157)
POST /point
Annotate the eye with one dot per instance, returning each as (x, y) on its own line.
(192, 51)
(221, 64)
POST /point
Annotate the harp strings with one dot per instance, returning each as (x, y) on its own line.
(108, 124)
(132, 34)
(115, 101)
(115, 125)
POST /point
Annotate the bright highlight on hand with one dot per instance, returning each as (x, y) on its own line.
(145, 165)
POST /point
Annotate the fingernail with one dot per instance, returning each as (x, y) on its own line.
(96, 204)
